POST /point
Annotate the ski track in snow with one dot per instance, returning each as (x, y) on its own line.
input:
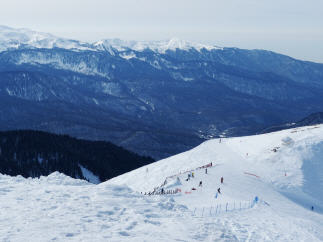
(59, 208)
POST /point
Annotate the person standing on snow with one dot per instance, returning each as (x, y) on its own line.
(200, 184)
(219, 190)
(221, 180)
(205, 170)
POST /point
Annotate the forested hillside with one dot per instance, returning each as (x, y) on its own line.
(36, 153)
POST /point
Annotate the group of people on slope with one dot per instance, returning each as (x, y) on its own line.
(191, 175)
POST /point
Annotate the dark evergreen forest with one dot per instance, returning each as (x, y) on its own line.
(36, 153)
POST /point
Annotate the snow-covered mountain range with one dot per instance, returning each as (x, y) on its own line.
(11, 38)
(155, 98)
(157, 46)
(271, 182)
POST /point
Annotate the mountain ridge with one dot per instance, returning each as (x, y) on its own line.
(18, 37)
(152, 103)
(313, 119)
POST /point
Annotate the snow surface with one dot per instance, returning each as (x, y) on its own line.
(287, 182)
(89, 175)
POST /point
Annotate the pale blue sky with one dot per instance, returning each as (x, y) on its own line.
(292, 27)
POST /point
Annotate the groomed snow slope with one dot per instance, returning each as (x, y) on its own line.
(64, 209)
(288, 161)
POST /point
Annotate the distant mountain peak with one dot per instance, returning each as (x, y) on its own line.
(15, 38)
(158, 46)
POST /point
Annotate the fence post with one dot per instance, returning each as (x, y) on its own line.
(202, 211)
(226, 208)
(211, 211)
(216, 211)
(194, 211)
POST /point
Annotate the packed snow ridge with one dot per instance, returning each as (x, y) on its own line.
(12, 38)
(271, 191)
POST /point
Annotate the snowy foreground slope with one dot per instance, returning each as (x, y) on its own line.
(287, 182)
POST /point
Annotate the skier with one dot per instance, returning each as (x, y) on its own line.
(219, 190)
(221, 180)
(200, 184)
(162, 191)
(192, 174)
(312, 208)
(205, 170)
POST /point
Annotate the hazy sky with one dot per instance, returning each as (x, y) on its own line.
(292, 27)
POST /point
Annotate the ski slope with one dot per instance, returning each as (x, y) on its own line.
(287, 182)
(295, 168)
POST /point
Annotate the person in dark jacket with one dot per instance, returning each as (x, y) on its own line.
(221, 180)
(219, 190)
(200, 184)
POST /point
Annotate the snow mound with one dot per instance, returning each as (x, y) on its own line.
(55, 178)
(287, 141)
